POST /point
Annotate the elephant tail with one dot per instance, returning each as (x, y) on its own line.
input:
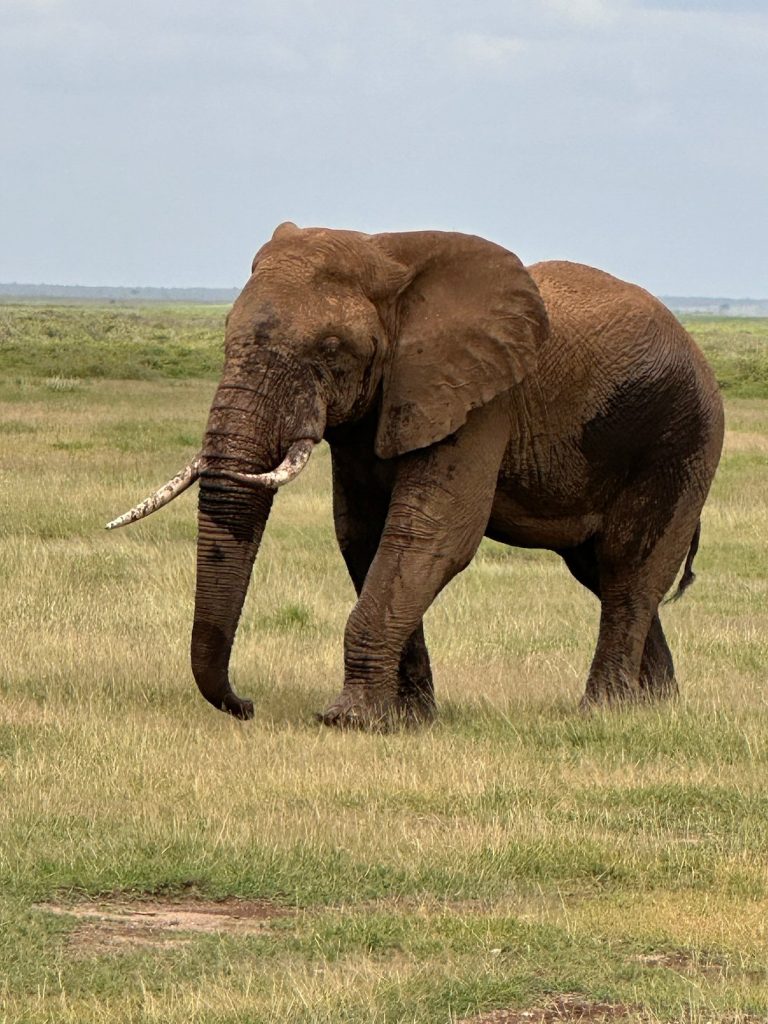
(688, 574)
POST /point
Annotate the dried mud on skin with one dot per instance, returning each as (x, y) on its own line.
(563, 1008)
(108, 927)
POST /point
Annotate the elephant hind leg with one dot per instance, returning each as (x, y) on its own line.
(613, 675)
(582, 565)
(657, 673)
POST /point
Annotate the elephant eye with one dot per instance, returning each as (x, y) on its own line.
(330, 343)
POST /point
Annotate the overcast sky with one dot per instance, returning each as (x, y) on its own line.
(153, 142)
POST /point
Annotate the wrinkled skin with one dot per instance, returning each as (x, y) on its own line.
(461, 396)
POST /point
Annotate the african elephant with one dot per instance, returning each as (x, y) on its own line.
(461, 395)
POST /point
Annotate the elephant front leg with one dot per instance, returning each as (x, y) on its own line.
(362, 491)
(416, 690)
(387, 677)
(437, 516)
(381, 690)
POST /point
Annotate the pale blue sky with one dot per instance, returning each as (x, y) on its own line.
(158, 143)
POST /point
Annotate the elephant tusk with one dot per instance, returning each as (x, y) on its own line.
(162, 496)
(288, 470)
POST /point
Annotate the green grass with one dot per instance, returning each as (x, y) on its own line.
(737, 349)
(513, 852)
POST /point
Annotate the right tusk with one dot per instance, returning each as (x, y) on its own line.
(288, 470)
(162, 496)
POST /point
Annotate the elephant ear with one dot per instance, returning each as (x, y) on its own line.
(466, 323)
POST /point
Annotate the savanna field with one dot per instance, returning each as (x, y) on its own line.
(162, 862)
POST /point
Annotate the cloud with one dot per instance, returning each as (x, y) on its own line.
(723, 7)
(589, 129)
(489, 50)
(592, 13)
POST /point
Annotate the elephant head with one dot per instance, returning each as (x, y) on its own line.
(416, 328)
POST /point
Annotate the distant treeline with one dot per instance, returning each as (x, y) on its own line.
(715, 306)
(677, 303)
(109, 294)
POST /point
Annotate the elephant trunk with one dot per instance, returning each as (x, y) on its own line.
(231, 523)
(251, 428)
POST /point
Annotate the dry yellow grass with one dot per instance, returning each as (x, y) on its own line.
(514, 849)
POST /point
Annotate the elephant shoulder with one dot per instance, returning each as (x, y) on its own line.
(563, 284)
(586, 303)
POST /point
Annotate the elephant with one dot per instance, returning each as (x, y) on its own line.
(462, 395)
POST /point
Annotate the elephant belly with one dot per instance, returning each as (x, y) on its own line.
(544, 495)
(513, 523)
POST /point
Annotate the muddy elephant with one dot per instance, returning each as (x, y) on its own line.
(462, 395)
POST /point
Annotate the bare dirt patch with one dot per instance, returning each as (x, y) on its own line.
(157, 924)
(710, 965)
(567, 1007)
(680, 961)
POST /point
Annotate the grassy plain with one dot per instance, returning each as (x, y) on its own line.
(513, 853)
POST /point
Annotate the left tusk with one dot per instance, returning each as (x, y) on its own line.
(162, 496)
(288, 470)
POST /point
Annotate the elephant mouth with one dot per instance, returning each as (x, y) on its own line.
(294, 462)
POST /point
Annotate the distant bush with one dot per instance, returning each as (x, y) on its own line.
(737, 350)
(68, 344)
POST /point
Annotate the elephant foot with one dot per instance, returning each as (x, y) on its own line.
(360, 707)
(416, 697)
(238, 707)
(417, 708)
(659, 689)
(606, 694)
(609, 695)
